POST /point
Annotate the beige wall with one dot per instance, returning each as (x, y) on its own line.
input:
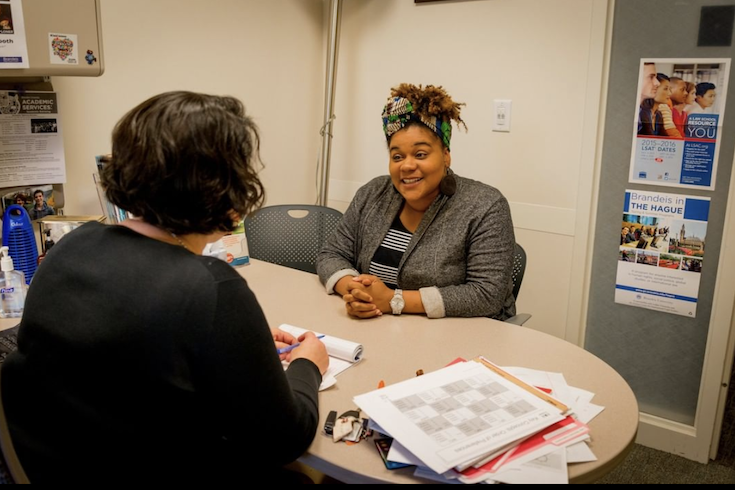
(266, 53)
(544, 55)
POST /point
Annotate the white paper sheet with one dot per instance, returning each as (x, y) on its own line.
(31, 142)
(548, 469)
(577, 398)
(13, 45)
(580, 453)
(400, 454)
(547, 441)
(588, 412)
(342, 354)
(546, 381)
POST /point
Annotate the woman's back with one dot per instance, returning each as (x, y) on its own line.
(139, 360)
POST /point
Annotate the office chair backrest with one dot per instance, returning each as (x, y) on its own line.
(519, 269)
(290, 234)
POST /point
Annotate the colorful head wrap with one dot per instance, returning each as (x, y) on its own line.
(399, 112)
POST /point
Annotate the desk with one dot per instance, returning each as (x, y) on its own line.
(6, 323)
(395, 347)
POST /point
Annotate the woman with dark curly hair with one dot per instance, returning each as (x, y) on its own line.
(140, 359)
(422, 239)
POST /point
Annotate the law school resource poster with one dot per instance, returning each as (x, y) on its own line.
(661, 254)
(677, 130)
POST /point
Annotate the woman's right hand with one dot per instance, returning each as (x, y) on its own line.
(359, 303)
(313, 349)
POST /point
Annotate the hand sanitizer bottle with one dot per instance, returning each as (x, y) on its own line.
(12, 287)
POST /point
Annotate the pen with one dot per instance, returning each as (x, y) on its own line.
(285, 350)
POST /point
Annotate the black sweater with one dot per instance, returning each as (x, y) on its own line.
(140, 361)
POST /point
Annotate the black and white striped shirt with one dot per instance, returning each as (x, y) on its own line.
(388, 256)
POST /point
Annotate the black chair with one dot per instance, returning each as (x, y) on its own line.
(519, 269)
(290, 234)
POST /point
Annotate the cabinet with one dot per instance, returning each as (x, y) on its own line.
(80, 18)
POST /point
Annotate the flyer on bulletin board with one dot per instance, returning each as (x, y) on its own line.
(680, 106)
(13, 47)
(661, 255)
(31, 140)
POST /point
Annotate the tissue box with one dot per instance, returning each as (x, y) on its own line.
(236, 246)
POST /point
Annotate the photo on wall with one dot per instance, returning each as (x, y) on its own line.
(677, 129)
(44, 126)
(37, 200)
(6, 19)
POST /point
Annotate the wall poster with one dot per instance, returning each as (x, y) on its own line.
(661, 254)
(31, 142)
(13, 46)
(680, 106)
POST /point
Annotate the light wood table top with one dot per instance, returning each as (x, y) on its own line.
(6, 323)
(397, 346)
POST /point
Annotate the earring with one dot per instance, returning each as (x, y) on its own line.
(448, 184)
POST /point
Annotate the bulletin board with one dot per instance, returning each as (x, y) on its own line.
(660, 354)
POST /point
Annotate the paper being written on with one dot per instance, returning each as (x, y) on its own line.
(457, 414)
(342, 353)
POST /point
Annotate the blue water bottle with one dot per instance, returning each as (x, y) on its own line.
(21, 242)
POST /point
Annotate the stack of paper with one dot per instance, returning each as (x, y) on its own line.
(475, 422)
(342, 353)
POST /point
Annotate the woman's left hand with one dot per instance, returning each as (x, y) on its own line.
(379, 293)
(360, 301)
(282, 339)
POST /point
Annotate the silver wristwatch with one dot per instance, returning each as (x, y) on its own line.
(397, 303)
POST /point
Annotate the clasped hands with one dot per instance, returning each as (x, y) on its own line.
(367, 296)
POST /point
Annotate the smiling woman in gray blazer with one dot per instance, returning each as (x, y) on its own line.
(422, 240)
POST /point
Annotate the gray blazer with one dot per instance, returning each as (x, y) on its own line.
(460, 258)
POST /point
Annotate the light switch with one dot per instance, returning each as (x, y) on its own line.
(501, 115)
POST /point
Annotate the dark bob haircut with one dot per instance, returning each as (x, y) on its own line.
(184, 162)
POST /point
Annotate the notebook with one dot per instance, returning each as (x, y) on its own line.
(342, 354)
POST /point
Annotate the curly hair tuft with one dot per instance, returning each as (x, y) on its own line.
(431, 101)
